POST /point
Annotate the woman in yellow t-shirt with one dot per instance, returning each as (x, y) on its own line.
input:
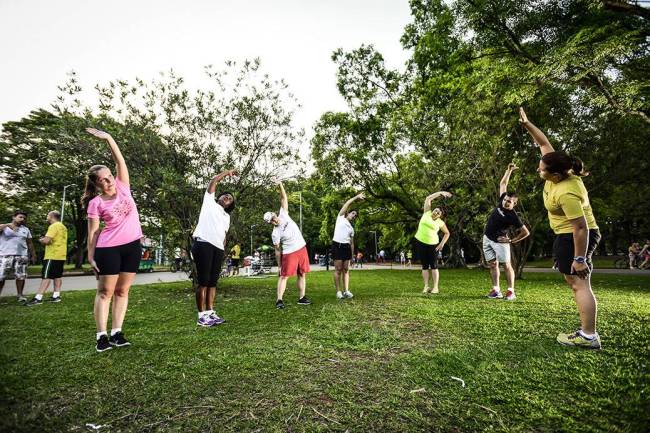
(428, 243)
(577, 236)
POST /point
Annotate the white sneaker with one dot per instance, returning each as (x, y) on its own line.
(348, 294)
(425, 290)
(510, 295)
(339, 295)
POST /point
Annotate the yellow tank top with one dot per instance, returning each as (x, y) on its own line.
(428, 229)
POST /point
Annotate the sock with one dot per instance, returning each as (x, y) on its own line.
(510, 289)
(99, 334)
(38, 296)
(202, 313)
(496, 288)
(115, 331)
(56, 294)
(587, 336)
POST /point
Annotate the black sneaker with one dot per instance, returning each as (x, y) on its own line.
(53, 299)
(103, 344)
(118, 340)
(279, 304)
(304, 301)
(33, 302)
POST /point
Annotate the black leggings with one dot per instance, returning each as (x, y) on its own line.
(428, 255)
(208, 260)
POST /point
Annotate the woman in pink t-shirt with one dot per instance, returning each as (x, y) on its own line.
(113, 252)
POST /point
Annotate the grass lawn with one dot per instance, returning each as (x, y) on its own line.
(384, 361)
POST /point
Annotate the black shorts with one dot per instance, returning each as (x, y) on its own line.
(52, 269)
(235, 262)
(563, 250)
(208, 260)
(120, 258)
(341, 251)
(427, 254)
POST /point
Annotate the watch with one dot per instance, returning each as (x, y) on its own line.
(579, 259)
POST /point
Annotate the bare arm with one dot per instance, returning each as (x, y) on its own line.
(212, 186)
(45, 240)
(284, 201)
(93, 234)
(580, 242)
(30, 247)
(521, 235)
(539, 137)
(503, 185)
(431, 197)
(4, 226)
(120, 165)
(347, 204)
(445, 238)
(278, 257)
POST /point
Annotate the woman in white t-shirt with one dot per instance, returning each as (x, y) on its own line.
(343, 247)
(208, 248)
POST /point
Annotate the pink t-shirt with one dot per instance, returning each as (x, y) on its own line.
(120, 216)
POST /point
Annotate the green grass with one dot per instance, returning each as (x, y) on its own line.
(381, 362)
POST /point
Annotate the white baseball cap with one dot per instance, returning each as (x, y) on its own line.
(268, 216)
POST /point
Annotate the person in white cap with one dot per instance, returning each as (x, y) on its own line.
(290, 250)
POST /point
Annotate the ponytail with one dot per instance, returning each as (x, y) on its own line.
(559, 162)
(90, 188)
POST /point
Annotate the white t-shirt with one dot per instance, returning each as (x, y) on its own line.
(287, 234)
(14, 243)
(213, 223)
(343, 230)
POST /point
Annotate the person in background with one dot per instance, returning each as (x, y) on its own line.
(16, 248)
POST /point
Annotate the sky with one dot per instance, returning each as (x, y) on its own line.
(42, 40)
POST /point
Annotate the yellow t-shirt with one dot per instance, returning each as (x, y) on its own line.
(428, 229)
(567, 200)
(236, 250)
(56, 250)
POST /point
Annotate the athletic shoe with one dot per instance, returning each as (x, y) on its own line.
(118, 340)
(22, 300)
(510, 295)
(54, 300)
(339, 295)
(204, 321)
(216, 319)
(304, 301)
(103, 344)
(433, 290)
(33, 302)
(348, 294)
(495, 294)
(578, 340)
(279, 304)
(425, 290)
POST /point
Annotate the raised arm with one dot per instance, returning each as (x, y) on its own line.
(503, 185)
(284, 201)
(539, 137)
(347, 204)
(122, 171)
(212, 186)
(435, 195)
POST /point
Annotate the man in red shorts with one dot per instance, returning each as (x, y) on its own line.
(290, 250)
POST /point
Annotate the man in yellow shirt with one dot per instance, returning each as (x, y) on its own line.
(56, 244)
(234, 256)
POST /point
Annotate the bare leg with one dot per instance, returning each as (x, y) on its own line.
(2, 285)
(200, 298)
(20, 285)
(121, 301)
(494, 272)
(436, 278)
(282, 286)
(211, 293)
(45, 283)
(105, 290)
(338, 265)
(346, 275)
(425, 277)
(586, 302)
(302, 284)
(510, 275)
(58, 282)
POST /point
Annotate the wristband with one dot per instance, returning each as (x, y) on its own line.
(579, 259)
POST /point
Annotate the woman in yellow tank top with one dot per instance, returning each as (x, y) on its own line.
(428, 242)
(577, 236)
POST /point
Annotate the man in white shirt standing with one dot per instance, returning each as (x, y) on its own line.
(343, 247)
(290, 250)
(208, 248)
(15, 245)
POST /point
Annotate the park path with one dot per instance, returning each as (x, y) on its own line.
(87, 282)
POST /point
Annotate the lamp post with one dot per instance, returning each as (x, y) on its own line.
(252, 226)
(373, 231)
(63, 199)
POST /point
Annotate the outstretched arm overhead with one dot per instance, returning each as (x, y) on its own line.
(539, 137)
(435, 195)
(503, 185)
(212, 186)
(284, 201)
(347, 204)
(122, 172)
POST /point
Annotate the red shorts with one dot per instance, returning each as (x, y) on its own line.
(295, 263)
